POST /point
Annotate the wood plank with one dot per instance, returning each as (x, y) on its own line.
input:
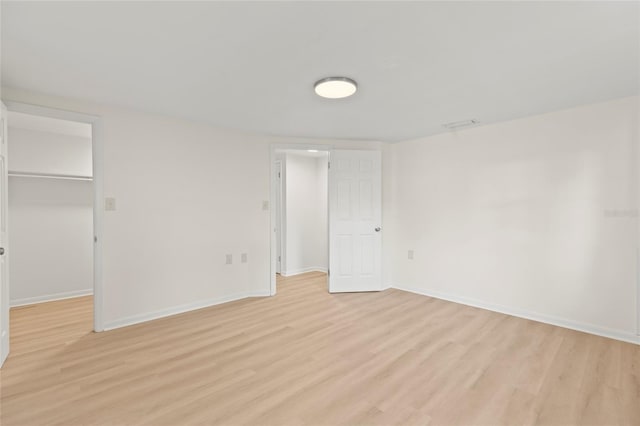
(308, 357)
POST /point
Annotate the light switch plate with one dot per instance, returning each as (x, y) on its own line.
(265, 205)
(410, 254)
(243, 258)
(110, 204)
(229, 259)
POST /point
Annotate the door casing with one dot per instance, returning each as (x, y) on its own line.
(4, 241)
(279, 212)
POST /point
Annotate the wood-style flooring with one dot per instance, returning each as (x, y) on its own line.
(308, 357)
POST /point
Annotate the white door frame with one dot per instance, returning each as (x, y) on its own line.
(5, 332)
(279, 214)
(272, 229)
(97, 140)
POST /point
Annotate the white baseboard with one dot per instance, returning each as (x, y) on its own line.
(149, 316)
(534, 316)
(50, 297)
(303, 271)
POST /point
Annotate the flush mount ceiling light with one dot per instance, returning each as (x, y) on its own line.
(312, 150)
(335, 87)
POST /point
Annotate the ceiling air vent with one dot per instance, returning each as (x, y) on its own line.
(460, 124)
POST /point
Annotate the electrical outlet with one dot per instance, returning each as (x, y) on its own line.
(229, 259)
(410, 254)
(243, 258)
(110, 204)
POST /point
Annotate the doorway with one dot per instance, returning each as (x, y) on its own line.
(301, 211)
(50, 208)
(54, 183)
(354, 219)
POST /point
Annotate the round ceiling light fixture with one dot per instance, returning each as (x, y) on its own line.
(335, 87)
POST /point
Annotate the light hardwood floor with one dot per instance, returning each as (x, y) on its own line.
(308, 357)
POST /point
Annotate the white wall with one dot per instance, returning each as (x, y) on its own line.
(532, 214)
(186, 195)
(50, 240)
(51, 153)
(537, 216)
(388, 215)
(322, 189)
(306, 229)
(50, 243)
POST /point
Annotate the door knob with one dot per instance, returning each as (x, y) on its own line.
(1, 251)
(378, 229)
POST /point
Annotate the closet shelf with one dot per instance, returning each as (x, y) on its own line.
(49, 176)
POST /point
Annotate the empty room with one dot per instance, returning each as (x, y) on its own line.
(319, 213)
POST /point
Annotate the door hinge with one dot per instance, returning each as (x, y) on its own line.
(278, 174)
(329, 164)
(328, 272)
(279, 258)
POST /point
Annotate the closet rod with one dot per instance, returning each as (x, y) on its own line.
(50, 176)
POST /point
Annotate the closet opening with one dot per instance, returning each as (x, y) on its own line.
(51, 236)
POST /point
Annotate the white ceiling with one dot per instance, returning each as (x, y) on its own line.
(20, 120)
(252, 66)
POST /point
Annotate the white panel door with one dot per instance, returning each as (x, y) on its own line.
(355, 221)
(4, 276)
